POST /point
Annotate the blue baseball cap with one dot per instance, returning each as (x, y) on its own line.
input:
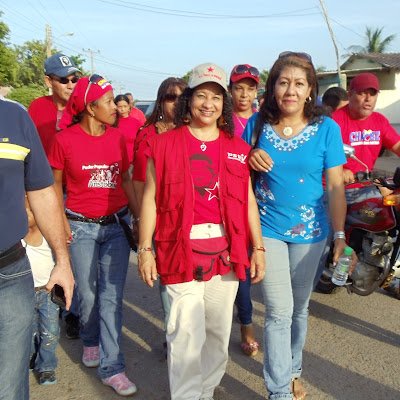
(60, 65)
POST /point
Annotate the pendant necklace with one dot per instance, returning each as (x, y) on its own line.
(239, 120)
(203, 146)
(287, 131)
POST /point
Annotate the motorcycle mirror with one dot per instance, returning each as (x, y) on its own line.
(349, 151)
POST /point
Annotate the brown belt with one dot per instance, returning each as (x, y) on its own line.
(11, 255)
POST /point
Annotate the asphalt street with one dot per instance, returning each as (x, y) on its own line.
(352, 351)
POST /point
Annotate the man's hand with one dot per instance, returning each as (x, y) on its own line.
(348, 176)
(260, 161)
(257, 266)
(62, 275)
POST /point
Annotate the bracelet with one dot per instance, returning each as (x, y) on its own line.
(339, 235)
(259, 248)
(144, 249)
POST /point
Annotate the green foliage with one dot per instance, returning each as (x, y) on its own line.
(374, 42)
(26, 94)
(263, 78)
(31, 56)
(8, 63)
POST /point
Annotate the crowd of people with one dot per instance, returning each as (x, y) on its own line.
(214, 192)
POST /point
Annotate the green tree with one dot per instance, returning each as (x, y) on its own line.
(25, 94)
(374, 42)
(31, 56)
(8, 62)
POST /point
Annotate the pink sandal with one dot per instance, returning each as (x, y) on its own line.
(250, 349)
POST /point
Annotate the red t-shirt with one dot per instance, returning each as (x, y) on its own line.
(93, 167)
(129, 127)
(204, 167)
(141, 155)
(45, 116)
(367, 136)
(138, 114)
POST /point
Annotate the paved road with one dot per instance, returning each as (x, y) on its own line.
(352, 352)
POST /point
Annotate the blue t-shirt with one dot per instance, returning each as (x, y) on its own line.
(290, 197)
(23, 167)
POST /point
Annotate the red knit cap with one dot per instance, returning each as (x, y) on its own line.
(87, 90)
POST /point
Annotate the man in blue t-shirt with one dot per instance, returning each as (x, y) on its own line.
(24, 169)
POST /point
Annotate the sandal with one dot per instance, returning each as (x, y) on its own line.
(250, 349)
(299, 393)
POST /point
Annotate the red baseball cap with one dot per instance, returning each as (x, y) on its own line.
(364, 81)
(243, 71)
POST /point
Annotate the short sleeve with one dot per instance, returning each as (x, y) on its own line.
(334, 144)
(57, 153)
(249, 129)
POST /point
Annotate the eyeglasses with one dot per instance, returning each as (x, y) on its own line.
(242, 69)
(170, 97)
(304, 56)
(65, 80)
(93, 80)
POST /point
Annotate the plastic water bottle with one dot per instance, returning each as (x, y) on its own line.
(341, 271)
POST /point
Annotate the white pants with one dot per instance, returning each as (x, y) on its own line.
(198, 334)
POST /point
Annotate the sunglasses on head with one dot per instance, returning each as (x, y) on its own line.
(170, 97)
(304, 56)
(242, 69)
(65, 80)
(93, 80)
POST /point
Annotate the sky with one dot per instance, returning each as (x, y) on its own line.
(136, 44)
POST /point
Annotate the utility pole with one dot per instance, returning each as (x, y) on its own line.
(325, 13)
(48, 40)
(91, 52)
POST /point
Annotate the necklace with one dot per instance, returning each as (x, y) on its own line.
(239, 120)
(203, 146)
(287, 131)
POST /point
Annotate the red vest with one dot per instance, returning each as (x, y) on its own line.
(174, 201)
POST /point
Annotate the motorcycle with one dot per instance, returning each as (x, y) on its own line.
(373, 232)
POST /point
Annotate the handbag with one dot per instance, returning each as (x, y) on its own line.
(210, 257)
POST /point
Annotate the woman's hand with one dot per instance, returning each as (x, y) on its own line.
(257, 266)
(147, 267)
(348, 176)
(260, 161)
(338, 249)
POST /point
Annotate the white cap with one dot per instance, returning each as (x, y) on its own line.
(207, 72)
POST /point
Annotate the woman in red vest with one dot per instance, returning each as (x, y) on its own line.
(199, 206)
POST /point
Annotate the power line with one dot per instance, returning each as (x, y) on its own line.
(192, 14)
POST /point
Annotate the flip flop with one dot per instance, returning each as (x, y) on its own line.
(250, 349)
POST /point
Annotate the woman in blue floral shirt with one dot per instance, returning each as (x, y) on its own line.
(295, 147)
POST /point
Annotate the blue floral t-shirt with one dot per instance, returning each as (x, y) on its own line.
(290, 197)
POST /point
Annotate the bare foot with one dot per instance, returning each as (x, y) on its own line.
(298, 390)
(249, 344)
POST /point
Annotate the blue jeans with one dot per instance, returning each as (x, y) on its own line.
(46, 332)
(165, 303)
(100, 257)
(16, 315)
(243, 301)
(287, 288)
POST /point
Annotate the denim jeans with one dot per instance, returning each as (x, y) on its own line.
(100, 257)
(165, 303)
(16, 315)
(287, 288)
(46, 332)
(243, 301)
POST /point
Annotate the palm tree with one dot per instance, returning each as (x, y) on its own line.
(375, 43)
